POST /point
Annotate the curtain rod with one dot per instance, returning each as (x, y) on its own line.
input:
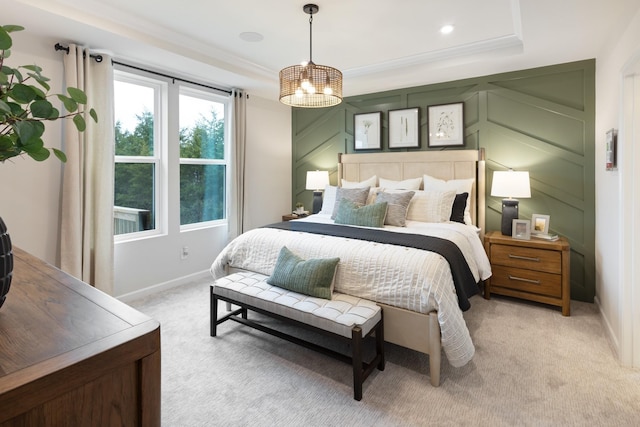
(98, 58)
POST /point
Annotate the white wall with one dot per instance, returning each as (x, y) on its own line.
(611, 222)
(155, 263)
(30, 192)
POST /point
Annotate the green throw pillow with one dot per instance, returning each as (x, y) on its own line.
(350, 213)
(312, 277)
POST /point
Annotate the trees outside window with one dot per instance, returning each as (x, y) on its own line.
(141, 104)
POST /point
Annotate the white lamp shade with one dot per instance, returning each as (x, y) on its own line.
(511, 184)
(317, 180)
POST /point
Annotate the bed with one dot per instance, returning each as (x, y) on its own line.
(415, 287)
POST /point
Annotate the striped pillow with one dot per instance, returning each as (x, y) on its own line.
(350, 213)
(431, 206)
(312, 277)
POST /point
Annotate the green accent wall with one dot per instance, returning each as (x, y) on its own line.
(541, 120)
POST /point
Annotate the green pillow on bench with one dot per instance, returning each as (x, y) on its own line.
(313, 277)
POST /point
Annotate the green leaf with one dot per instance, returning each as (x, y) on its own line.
(5, 39)
(42, 81)
(22, 93)
(5, 107)
(40, 155)
(77, 95)
(55, 113)
(5, 143)
(33, 146)
(93, 115)
(28, 131)
(11, 28)
(39, 93)
(69, 104)
(60, 155)
(81, 125)
(41, 109)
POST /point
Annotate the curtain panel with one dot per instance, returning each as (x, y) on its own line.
(86, 244)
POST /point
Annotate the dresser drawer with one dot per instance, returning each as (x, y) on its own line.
(529, 258)
(527, 281)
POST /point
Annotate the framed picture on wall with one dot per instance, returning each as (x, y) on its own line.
(367, 130)
(404, 128)
(446, 124)
(610, 149)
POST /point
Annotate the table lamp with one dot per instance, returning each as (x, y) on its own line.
(510, 184)
(316, 181)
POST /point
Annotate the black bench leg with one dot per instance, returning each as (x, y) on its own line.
(356, 340)
(380, 345)
(214, 314)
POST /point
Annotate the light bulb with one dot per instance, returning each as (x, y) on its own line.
(328, 91)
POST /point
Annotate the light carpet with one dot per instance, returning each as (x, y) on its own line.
(532, 367)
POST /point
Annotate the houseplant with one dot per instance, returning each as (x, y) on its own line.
(25, 107)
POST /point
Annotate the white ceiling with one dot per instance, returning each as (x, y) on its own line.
(377, 44)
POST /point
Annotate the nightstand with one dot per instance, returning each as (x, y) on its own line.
(535, 270)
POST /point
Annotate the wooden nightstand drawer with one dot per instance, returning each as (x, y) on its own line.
(529, 258)
(527, 280)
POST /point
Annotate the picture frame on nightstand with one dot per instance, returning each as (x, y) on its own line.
(521, 229)
(540, 224)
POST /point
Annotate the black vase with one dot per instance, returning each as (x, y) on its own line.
(6, 262)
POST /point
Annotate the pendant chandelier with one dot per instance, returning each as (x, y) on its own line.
(310, 85)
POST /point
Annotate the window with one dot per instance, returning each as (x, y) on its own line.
(202, 157)
(137, 153)
(149, 159)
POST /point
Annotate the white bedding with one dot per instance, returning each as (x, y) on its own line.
(400, 276)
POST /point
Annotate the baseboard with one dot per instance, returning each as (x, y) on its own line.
(131, 296)
(608, 331)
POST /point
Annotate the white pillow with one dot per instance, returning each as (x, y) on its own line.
(329, 199)
(407, 184)
(431, 206)
(459, 185)
(371, 182)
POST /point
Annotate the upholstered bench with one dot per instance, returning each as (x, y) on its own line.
(344, 316)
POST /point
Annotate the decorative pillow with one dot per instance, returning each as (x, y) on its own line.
(459, 205)
(312, 277)
(431, 206)
(365, 216)
(460, 185)
(329, 199)
(397, 206)
(407, 184)
(356, 195)
(371, 182)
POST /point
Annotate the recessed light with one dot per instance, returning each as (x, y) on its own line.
(446, 29)
(251, 36)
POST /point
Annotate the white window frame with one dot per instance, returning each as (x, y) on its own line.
(160, 141)
(188, 90)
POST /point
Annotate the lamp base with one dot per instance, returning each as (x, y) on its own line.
(509, 213)
(317, 202)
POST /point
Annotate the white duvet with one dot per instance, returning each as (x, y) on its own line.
(400, 276)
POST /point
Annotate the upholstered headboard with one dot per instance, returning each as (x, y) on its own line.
(398, 166)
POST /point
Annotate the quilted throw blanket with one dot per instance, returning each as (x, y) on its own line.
(405, 277)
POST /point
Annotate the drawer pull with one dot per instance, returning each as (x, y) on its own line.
(535, 282)
(526, 258)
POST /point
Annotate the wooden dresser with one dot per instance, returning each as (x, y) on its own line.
(71, 355)
(535, 270)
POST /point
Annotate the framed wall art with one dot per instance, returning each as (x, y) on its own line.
(367, 130)
(610, 149)
(521, 229)
(404, 128)
(446, 124)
